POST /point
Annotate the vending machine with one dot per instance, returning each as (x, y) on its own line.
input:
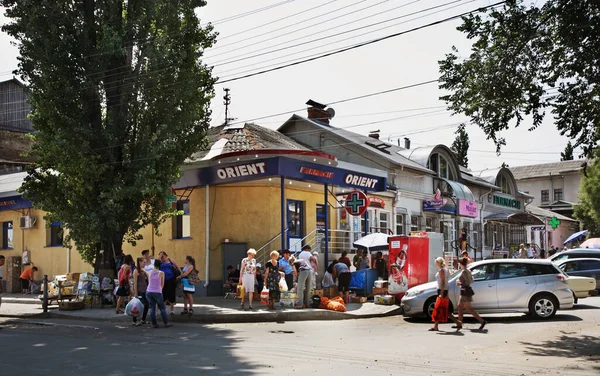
(411, 261)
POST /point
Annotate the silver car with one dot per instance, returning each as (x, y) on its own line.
(533, 286)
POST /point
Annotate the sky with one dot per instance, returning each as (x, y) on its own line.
(300, 29)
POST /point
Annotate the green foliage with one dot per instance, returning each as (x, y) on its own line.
(527, 60)
(567, 155)
(460, 146)
(587, 210)
(119, 99)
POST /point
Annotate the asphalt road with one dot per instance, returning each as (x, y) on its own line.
(569, 344)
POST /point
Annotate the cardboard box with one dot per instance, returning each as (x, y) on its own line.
(330, 292)
(319, 292)
(289, 295)
(381, 284)
(380, 291)
(288, 303)
(384, 299)
(359, 299)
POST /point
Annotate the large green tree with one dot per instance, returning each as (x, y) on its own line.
(587, 210)
(528, 60)
(460, 146)
(119, 98)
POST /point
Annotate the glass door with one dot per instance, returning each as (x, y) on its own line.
(295, 221)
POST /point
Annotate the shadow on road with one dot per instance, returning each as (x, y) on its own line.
(514, 319)
(568, 345)
(122, 349)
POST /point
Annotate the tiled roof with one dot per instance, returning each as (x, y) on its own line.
(545, 169)
(226, 139)
(368, 143)
(541, 213)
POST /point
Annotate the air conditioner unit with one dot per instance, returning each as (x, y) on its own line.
(27, 221)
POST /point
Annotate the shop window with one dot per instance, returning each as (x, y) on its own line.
(181, 223)
(54, 235)
(414, 223)
(545, 195)
(7, 235)
(558, 194)
(400, 224)
(429, 224)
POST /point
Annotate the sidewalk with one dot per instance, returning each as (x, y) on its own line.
(206, 310)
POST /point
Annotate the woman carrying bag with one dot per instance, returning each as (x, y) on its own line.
(124, 289)
(466, 293)
(272, 280)
(441, 311)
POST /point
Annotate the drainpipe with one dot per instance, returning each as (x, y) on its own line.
(482, 237)
(207, 236)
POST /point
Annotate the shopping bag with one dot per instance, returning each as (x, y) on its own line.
(283, 285)
(134, 308)
(264, 296)
(240, 291)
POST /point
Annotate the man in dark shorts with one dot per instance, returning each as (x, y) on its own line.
(342, 274)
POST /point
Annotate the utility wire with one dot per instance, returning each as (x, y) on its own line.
(328, 44)
(294, 24)
(246, 57)
(275, 21)
(251, 12)
(363, 44)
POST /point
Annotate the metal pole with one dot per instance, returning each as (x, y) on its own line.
(282, 191)
(207, 237)
(326, 226)
(45, 299)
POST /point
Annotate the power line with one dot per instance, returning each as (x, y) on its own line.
(275, 21)
(245, 57)
(294, 24)
(251, 12)
(363, 44)
(325, 45)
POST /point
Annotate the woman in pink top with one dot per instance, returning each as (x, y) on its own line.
(156, 282)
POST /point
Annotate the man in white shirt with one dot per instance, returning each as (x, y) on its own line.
(530, 251)
(149, 261)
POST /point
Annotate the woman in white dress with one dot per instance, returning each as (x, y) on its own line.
(248, 276)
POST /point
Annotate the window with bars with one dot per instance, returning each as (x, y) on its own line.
(558, 194)
(400, 224)
(414, 223)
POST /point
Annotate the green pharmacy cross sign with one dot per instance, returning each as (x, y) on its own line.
(554, 222)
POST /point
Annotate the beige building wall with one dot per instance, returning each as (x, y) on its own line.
(52, 261)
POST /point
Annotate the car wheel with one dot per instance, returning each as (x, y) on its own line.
(543, 306)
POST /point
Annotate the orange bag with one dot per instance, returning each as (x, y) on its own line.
(440, 311)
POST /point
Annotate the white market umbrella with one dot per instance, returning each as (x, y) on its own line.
(376, 241)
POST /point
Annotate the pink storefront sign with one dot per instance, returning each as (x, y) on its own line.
(467, 208)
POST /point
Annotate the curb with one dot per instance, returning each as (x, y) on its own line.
(236, 318)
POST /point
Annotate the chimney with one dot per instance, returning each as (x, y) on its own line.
(406, 143)
(374, 135)
(317, 111)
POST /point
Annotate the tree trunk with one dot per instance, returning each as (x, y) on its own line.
(108, 255)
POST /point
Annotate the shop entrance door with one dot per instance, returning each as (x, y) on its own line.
(295, 222)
